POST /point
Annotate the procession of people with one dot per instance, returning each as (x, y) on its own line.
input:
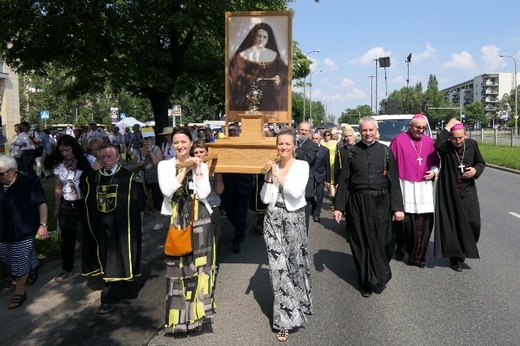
(392, 199)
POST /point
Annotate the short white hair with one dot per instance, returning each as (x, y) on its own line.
(367, 119)
(7, 162)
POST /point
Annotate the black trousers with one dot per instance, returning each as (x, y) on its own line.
(109, 292)
(319, 189)
(28, 162)
(71, 214)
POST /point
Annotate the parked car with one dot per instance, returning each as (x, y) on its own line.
(392, 125)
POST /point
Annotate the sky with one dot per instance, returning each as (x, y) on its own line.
(454, 40)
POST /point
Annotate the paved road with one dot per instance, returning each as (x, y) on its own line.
(431, 306)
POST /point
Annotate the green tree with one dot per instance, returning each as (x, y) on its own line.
(475, 112)
(141, 46)
(352, 115)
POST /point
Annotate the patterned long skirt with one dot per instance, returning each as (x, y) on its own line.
(289, 270)
(190, 279)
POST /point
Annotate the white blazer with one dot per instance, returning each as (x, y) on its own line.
(293, 189)
(169, 185)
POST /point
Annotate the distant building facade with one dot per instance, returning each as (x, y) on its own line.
(9, 99)
(486, 88)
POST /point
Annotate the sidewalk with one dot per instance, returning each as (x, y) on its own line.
(47, 297)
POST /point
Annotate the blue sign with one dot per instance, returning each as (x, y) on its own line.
(462, 116)
(44, 114)
(122, 115)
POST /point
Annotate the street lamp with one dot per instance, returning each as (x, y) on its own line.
(305, 80)
(310, 92)
(516, 95)
(371, 94)
(326, 108)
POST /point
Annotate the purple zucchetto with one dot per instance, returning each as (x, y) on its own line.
(457, 127)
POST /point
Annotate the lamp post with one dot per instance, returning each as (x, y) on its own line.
(305, 81)
(371, 93)
(310, 93)
(516, 95)
(326, 108)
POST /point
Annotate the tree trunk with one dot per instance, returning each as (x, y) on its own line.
(160, 104)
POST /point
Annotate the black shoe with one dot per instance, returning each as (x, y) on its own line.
(316, 218)
(236, 248)
(456, 264)
(366, 294)
(366, 290)
(399, 255)
(105, 308)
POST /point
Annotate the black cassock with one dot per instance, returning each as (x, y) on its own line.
(112, 245)
(457, 210)
(370, 179)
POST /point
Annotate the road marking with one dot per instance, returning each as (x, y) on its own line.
(515, 214)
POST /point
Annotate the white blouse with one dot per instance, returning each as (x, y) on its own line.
(167, 174)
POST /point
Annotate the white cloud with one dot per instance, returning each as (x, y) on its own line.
(374, 53)
(428, 52)
(462, 60)
(490, 57)
(355, 94)
(346, 82)
(331, 64)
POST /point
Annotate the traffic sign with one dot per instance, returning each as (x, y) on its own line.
(44, 114)
(122, 115)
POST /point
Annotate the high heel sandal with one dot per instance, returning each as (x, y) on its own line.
(282, 335)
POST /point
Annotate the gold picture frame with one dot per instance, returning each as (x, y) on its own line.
(259, 62)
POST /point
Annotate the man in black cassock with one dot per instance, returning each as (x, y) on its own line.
(115, 223)
(457, 210)
(370, 179)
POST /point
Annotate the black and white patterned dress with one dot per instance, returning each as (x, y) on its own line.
(289, 270)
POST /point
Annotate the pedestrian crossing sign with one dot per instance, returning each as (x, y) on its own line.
(44, 114)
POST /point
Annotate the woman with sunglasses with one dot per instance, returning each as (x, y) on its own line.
(330, 144)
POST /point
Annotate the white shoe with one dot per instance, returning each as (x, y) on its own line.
(157, 227)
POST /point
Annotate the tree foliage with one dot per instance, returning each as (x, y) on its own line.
(352, 115)
(155, 48)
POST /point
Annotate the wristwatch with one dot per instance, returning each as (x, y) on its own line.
(43, 224)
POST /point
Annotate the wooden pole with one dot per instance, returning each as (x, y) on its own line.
(190, 162)
(267, 166)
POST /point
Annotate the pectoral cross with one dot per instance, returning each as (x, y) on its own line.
(419, 159)
(263, 64)
(461, 167)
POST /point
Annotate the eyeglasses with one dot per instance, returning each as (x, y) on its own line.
(419, 127)
(4, 173)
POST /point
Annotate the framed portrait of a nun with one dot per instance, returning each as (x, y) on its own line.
(258, 65)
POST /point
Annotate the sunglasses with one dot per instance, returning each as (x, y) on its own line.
(3, 173)
(327, 135)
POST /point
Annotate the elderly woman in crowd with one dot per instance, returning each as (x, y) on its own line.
(23, 214)
(286, 237)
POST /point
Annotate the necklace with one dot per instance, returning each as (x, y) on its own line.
(102, 195)
(418, 152)
(461, 165)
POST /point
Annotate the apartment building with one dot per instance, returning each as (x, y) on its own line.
(487, 88)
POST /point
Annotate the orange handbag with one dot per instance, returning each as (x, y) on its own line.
(178, 241)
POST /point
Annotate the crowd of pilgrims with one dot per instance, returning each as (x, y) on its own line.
(388, 198)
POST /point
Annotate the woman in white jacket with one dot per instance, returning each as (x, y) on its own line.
(190, 279)
(286, 237)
